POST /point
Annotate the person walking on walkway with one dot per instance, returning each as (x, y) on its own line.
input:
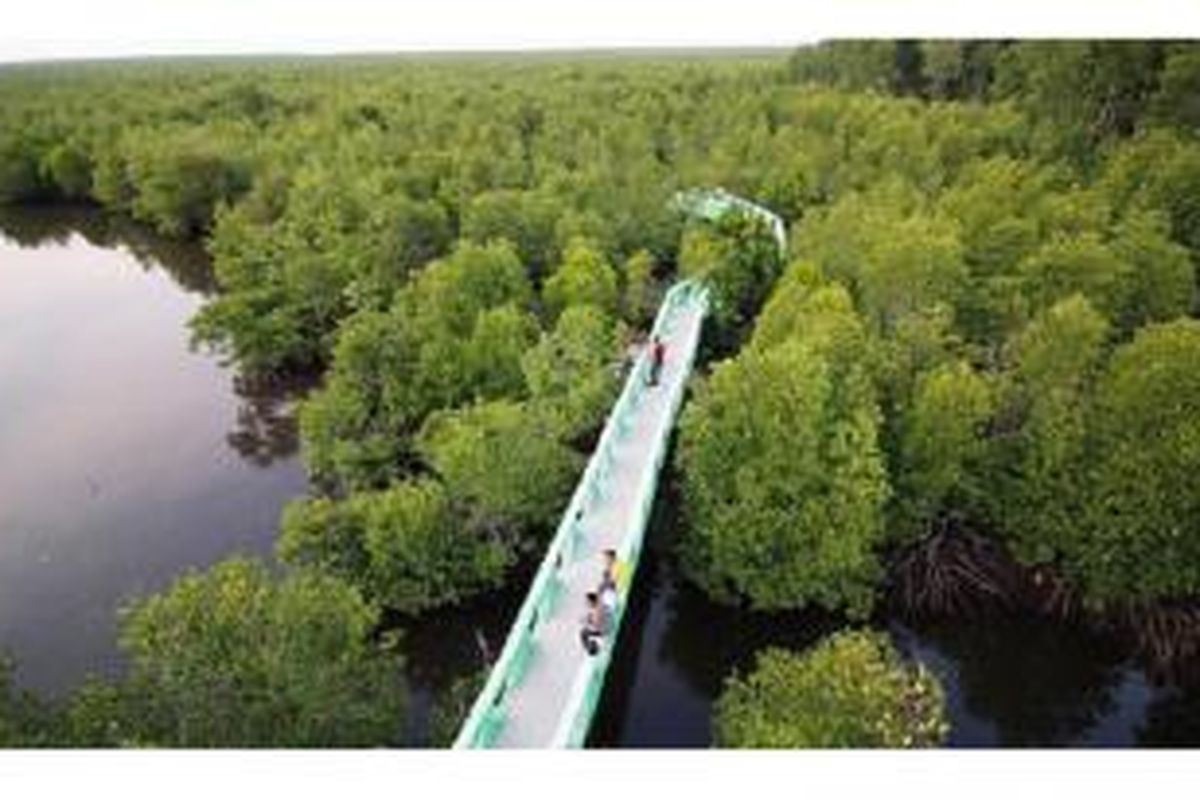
(658, 354)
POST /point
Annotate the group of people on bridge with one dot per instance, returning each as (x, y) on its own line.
(602, 603)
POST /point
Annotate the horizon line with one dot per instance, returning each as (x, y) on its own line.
(434, 50)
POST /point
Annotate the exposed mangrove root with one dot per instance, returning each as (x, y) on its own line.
(1048, 593)
(954, 574)
(963, 575)
(1166, 637)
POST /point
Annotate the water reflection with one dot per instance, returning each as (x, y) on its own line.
(37, 226)
(125, 456)
(266, 428)
(443, 646)
(1172, 719)
(1035, 682)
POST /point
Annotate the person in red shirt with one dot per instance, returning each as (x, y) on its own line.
(658, 354)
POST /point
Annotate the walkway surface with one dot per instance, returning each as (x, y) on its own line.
(536, 706)
(549, 697)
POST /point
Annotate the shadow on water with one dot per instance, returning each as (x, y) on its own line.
(1172, 719)
(266, 429)
(442, 646)
(1023, 682)
(36, 226)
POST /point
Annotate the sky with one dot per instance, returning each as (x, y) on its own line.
(54, 29)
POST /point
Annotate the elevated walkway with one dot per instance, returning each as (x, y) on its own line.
(543, 689)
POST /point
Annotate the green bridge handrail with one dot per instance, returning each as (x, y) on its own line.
(711, 204)
(487, 715)
(585, 692)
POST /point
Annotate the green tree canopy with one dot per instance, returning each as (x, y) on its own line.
(738, 258)
(1083, 264)
(638, 289)
(1139, 533)
(1161, 277)
(503, 461)
(1037, 477)
(1159, 170)
(24, 721)
(406, 547)
(851, 690)
(527, 219)
(584, 278)
(895, 257)
(457, 332)
(570, 372)
(1177, 101)
(784, 481)
(233, 657)
(181, 176)
(941, 445)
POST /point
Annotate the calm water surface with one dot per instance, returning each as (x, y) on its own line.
(124, 456)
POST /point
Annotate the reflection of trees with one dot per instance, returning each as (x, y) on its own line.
(1038, 682)
(184, 260)
(32, 226)
(444, 645)
(266, 428)
(1172, 719)
(705, 642)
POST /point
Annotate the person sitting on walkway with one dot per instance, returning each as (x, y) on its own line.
(592, 633)
(658, 354)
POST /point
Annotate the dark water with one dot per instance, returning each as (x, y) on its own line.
(1010, 682)
(124, 456)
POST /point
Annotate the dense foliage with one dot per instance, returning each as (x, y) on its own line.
(24, 722)
(233, 657)
(1138, 534)
(995, 254)
(851, 690)
(783, 475)
(405, 545)
(982, 326)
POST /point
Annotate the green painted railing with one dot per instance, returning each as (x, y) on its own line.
(581, 704)
(712, 204)
(488, 715)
